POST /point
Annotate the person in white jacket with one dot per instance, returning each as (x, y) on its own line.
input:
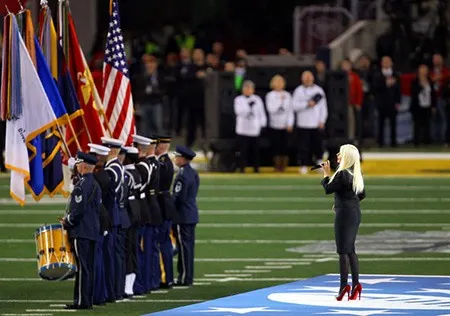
(250, 119)
(310, 107)
(281, 120)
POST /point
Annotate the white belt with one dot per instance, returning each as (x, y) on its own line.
(142, 195)
(131, 198)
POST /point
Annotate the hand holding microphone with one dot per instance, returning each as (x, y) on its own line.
(325, 166)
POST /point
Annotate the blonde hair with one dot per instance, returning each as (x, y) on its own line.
(350, 159)
(275, 78)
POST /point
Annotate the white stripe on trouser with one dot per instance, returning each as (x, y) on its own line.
(183, 275)
(129, 282)
(79, 271)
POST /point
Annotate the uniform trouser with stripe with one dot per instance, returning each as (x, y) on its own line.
(185, 243)
(131, 251)
(120, 263)
(83, 293)
(109, 263)
(147, 273)
(153, 259)
(99, 273)
(138, 287)
(166, 250)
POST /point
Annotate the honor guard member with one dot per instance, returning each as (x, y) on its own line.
(152, 229)
(142, 143)
(167, 209)
(109, 202)
(83, 226)
(103, 179)
(133, 182)
(119, 215)
(185, 190)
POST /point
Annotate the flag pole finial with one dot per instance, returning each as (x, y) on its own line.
(20, 4)
(7, 10)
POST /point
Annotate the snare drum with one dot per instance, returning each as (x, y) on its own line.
(56, 260)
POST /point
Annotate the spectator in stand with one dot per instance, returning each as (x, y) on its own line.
(229, 67)
(250, 119)
(284, 52)
(439, 74)
(387, 93)
(310, 106)
(321, 74)
(170, 78)
(196, 104)
(365, 72)
(241, 54)
(355, 98)
(213, 62)
(184, 75)
(446, 97)
(240, 74)
(148, 93)
(217, 49)
(281, 120)
(423, 103)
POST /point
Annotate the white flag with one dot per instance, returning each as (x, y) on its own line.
(37, 117)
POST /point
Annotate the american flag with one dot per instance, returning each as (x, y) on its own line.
(117, 98)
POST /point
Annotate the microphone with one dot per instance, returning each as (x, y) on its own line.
(317, 167)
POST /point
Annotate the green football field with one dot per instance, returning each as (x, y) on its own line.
(255, 232)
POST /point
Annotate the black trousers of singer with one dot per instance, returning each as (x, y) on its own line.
(83, 292)
(310, 143)
(185, 244)
(248, 149)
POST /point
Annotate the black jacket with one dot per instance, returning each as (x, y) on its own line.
(342, 187)
(386, 97)
(416, 88)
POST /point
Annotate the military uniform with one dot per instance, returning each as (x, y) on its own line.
(83, 225)
(151, 262)
(120, 221)
(185, 191)
(167, 209)
(104, 180)
(144, 171)
(133, 182)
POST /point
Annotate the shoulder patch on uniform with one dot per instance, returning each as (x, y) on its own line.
(78, 198)
(178, 187)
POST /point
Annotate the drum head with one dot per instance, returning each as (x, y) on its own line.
(57, 271)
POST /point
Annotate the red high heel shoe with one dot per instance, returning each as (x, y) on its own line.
(345, 290)
(356, 293)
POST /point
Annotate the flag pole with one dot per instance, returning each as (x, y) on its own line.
(86, 128)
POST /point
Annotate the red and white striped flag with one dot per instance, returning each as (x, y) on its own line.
(117, 99)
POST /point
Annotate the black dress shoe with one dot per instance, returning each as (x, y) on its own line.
(165, 286)
(128, 296)
(73, 306)
(110, 301)
(100, 304)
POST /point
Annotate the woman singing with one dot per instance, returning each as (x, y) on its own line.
(347, 184)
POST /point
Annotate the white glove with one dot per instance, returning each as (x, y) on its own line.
(105, 233)
(71, 163)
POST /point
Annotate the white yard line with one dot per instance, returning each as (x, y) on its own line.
(306, 263)
(50, 310)
(29, 314)
(248, 271)
(224, 275)
(274, 267)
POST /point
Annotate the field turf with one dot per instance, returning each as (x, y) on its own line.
(247, 225)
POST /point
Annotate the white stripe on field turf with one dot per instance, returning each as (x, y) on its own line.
(29, 314)
(255, 212)
(275, 267)
(50, 310)
(223, 275)
(270, 225)
(247, 271)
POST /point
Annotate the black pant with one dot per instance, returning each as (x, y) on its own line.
(248, 148)
(196, 118)
(83, 293)
(422, 120)
(310, 142)
(185, 245)
(278, 140)
(392, 117)
(2, 144)
(121, 263)
(131, 251)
